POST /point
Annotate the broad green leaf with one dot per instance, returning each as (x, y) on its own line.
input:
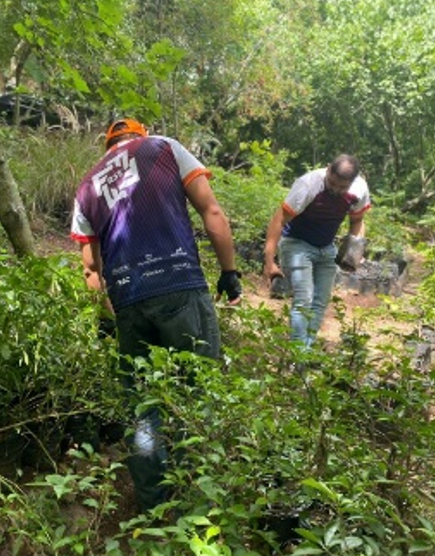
(330, 533)
(212, 532)
(416, 547)
(320, 487)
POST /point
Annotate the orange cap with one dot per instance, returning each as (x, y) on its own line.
(126, 125)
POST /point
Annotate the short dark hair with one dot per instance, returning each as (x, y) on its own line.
(345, 166)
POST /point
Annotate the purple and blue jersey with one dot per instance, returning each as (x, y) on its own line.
(133, 202)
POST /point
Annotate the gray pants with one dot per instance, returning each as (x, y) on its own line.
(185, 321)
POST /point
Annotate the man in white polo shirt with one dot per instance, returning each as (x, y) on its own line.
(303, 230)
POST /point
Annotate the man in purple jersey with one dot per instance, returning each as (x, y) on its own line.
(303, 229)
(137, 245)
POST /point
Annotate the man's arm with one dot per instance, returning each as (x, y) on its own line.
(215, 222)
(356, 225)
(93, 271)
(218, 230)
(278, 220)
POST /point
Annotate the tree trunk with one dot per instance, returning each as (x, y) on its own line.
(13, 216)
(388, 118)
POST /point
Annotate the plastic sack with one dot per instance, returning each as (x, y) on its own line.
(280, 287)
(351, 253)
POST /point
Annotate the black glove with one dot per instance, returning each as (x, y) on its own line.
(230, 284)
(106, 328)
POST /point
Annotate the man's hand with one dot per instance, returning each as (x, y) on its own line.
(106, 328)
(272, 271)
(230, 284)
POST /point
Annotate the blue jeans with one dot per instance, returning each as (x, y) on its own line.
(311, 271)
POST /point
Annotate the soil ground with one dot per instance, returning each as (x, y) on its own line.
(256, 291)
(364, 309)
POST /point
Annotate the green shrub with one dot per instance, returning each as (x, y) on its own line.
(249, 198)
(388, 238)
(52, 361)
(343, 441)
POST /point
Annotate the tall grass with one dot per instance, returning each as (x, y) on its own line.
(48, 167)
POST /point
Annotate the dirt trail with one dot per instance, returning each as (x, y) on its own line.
(360, 308)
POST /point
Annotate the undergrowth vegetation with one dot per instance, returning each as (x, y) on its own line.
(273, 450)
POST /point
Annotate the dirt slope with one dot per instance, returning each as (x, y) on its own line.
(360, 308)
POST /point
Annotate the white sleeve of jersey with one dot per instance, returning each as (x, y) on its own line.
(187, 163)
(360, 188)
(304, 190)
(80, 226)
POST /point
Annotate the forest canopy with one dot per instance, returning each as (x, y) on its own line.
(315, 77)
